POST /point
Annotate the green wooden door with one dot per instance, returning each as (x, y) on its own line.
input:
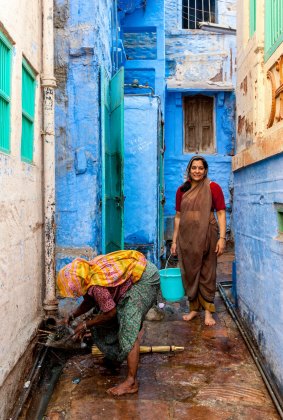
(112, 124)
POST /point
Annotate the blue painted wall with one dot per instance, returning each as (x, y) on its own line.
(83, 40)
(176, 160)
(143, 37)
(141, 187)
(198, 62)
(259, 256)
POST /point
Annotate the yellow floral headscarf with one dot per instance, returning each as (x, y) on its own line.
(108, 270)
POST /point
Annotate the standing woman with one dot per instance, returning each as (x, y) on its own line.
(197, 239)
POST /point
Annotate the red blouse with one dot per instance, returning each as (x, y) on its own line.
(218, 202)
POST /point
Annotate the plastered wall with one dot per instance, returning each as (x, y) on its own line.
(21, 221)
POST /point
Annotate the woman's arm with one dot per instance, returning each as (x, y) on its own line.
(84, 307)
(173, 248)
(221, 243)
(99, 319)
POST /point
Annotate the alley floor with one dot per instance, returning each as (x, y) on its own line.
(214, 377)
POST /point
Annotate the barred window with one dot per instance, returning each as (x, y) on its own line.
(195, 11)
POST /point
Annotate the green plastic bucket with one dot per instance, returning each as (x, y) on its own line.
(171, 284)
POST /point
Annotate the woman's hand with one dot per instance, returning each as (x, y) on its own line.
(220, 246)
(80, 331)
(173, 248)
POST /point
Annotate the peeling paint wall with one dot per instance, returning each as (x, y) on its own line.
(199, 62)
(258, 193)
(196, 56)
(21, 219)
(83, 39)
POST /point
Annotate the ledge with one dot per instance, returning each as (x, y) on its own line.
(263, 149)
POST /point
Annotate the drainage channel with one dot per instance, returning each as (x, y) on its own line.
(271, 387)
(40, 384)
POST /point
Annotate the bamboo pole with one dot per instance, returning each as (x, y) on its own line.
(145, 349)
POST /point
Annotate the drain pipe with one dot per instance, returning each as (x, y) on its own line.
(48, 83)
(274, 394)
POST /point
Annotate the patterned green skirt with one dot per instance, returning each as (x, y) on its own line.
(117, 338)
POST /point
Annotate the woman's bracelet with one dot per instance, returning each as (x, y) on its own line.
(222, 237)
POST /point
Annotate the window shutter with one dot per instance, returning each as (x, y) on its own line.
(5, 93)
(28, 99)
(252, 17)
(273, 32)
(199, 130)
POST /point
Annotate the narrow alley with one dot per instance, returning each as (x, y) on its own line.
(214, 377)
(131, 131)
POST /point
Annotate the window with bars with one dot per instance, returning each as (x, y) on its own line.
(199, 124)
(28, 104)
(5, 92)
(195, 11)
(273, 26)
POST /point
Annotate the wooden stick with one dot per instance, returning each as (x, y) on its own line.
(145, 349)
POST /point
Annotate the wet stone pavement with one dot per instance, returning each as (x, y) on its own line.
(214, 377)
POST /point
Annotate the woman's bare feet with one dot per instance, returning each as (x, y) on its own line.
(190, 316)
(126, 387)
(208, 319)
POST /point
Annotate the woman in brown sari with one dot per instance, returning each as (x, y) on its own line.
(197, 239)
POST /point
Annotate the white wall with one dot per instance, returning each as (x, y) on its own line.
(21, 264)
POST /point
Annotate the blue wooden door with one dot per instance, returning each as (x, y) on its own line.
(112, 124)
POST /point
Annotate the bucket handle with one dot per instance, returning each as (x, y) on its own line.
(168, 261)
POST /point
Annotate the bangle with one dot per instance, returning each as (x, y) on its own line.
(222, 237)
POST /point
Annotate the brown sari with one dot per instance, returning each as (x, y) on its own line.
(196, 243)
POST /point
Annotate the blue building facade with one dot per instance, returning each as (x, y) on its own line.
(200, 68)
(258, 182)
(84, 33)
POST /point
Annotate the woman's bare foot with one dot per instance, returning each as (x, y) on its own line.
(190, 316)
(208, 319)
(126, 387)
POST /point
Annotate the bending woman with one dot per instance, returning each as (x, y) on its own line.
(122, 286)
(196, 238)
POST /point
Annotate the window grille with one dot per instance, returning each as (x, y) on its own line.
(5, 92)
(195, 11)
(28, 98)
(273, 26)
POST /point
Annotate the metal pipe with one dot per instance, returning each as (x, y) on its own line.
(275, 396)
(48, 83)
(140, 87)
(36, 369)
